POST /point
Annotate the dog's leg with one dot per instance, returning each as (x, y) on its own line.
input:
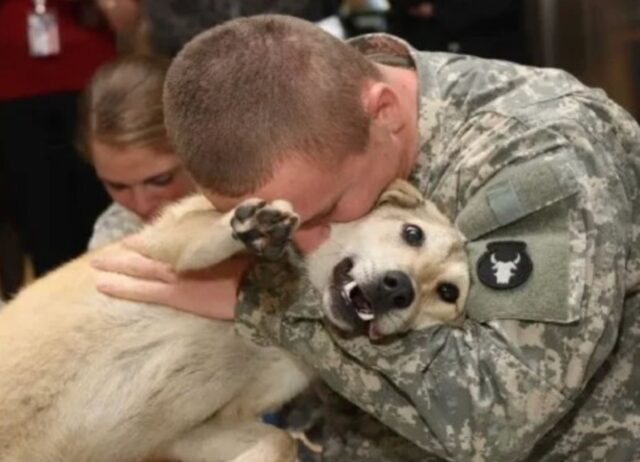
(224, 441)
(191, 235)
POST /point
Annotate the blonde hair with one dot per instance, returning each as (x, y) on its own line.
(241, 96)
(122, 105)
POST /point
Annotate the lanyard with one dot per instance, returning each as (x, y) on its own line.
(42, 31)
(40, 6)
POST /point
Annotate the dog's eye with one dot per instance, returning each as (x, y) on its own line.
(448, 292)
(413, 235)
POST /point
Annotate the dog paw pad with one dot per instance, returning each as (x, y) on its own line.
(264, 228)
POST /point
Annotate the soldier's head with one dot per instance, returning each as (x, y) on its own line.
(274, 107)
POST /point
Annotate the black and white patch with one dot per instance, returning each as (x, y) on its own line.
(505, 265)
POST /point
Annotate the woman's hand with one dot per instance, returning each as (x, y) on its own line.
(212, 293)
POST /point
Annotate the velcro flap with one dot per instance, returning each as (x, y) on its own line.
(516, 192)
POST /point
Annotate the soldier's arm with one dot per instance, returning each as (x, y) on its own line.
(525, 355)
(496, 386)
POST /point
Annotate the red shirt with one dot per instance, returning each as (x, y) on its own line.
(83, 49)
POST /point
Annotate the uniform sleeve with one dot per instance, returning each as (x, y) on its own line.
(493, 388)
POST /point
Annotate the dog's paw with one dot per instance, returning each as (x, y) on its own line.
(264, 228)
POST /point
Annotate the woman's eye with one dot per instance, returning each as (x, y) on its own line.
(115, 186)
(413, 235)
(161, 180)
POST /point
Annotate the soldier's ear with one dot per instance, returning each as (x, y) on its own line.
(402, 194)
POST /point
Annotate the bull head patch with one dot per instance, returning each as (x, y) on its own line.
(505, 265)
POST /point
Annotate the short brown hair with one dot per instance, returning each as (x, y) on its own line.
(242, 95)
(122, 105)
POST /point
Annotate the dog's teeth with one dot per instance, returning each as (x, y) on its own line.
(345, 296)
(350, 286)
(365, 316)
(347, 289)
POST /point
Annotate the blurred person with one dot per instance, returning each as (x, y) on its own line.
(123, 136)
(364, 16)
(49, 51)
(171, 24)
(487, 28)
(123, 17)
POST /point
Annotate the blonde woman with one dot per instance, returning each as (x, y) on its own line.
(124, 138)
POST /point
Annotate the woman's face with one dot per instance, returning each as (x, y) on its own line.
(142, 179)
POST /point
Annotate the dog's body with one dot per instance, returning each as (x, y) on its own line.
(84, 377)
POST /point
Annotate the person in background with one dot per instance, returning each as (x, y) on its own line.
(488, 29)
(123, 136)
(49, 51)
(123, 17)
(171, 24)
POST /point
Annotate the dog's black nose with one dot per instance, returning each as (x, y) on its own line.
(394, 291)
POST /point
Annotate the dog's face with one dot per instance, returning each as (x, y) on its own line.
(401, 267)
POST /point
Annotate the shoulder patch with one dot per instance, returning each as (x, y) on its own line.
(504, 265)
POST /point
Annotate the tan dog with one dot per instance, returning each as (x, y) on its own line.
(87, 378)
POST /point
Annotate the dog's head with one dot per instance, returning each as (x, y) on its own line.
(401, 267)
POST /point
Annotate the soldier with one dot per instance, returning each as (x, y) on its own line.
(538, 171)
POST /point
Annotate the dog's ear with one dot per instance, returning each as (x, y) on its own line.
(402, 194)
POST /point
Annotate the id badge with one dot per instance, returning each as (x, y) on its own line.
(44, 36)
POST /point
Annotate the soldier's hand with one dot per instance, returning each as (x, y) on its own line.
(212, 293)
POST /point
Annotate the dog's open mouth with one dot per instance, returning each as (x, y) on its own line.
(352, 296)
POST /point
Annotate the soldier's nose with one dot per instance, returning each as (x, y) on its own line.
(394, 290)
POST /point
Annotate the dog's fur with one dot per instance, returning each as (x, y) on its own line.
(88, 378)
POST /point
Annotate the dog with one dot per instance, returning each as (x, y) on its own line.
(88, 378)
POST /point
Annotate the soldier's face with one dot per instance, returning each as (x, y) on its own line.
(323, 194)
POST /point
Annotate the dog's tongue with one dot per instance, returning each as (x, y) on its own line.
(374, 333)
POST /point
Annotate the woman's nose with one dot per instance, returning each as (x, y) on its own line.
(309, 239)
(144, 204)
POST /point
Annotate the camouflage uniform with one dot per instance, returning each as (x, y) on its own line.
(113, 224)
(547, 371)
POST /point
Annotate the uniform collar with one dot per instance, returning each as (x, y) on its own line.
(392, 51)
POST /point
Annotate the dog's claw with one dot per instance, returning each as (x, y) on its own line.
(264, 228)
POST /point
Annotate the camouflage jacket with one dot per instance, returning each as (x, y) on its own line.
(113, 224)
(546, 371)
